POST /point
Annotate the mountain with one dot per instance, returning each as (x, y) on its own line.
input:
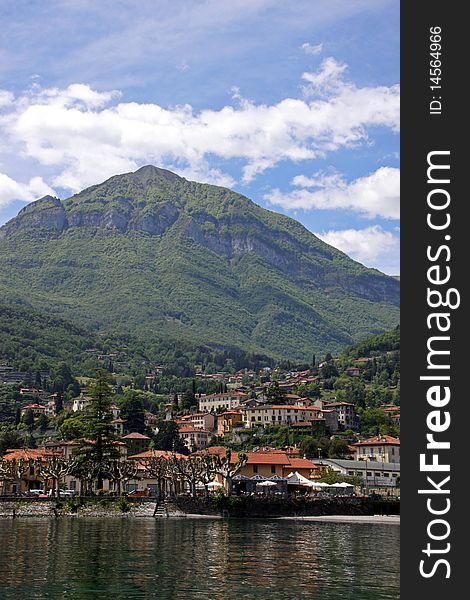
(29, 339)
(152, 254)
(383, 343)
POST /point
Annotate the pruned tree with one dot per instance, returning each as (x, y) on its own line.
(157, 468)
(224, 467)
(5, 473)
(120, 472)
(189, 470)
(14, 470)
(208, 470)
(86, 470)
(55, 468)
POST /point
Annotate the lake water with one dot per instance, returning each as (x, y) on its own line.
(185, 559)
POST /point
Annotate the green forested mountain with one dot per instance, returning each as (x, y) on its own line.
(165, 259)
(31, 340)
(389, 341)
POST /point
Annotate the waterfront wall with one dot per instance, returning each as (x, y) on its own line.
(266, 506)
(216, 506)
(94, 508)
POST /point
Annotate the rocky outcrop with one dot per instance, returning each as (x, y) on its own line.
(46, 213)
(156, 220)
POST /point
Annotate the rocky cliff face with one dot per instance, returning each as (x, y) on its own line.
(195, 251)
(46, 215)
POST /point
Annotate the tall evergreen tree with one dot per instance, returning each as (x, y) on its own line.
(99, 443)
(132, 409)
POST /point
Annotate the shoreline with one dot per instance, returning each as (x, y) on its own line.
(106, 514)
(376, 519)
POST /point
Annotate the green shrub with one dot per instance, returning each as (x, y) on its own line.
(124, 505)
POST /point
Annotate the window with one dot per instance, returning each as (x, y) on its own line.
(273, 469)
(255, 468)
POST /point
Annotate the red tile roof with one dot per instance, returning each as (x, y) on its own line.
(27, 454)
(380, 440)
(135, 436)
(155, 454)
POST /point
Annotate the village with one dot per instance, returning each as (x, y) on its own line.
(267, 433)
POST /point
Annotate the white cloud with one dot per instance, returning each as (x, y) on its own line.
(327, 79)
(312, 50)
(376, 195)
(83, 135)
(371, 246)
(6, 98)
(11, 190)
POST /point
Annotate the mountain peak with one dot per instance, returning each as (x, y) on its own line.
(151, 172)
(150, 251)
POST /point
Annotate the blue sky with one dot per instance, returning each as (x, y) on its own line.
(295, 105)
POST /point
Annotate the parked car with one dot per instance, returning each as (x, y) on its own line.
(63, 493)
(36, 492)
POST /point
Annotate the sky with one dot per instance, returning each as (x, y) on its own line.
(293, 104)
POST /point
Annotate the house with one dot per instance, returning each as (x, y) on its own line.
(36, 409)
(150, 420)
(268, 463)
(277, 414)
(144, 482)
(383, 448)
(136, 442)
(353, 372)
(347, 416)
(200, 421)
(31, 392)
(225, 401)
(315, 427)
(227, 420)
(331, 420)
(119, 425)
(26, 475)
(81, 402)
(193, 437)
(373, 474)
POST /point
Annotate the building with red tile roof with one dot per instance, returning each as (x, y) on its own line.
(381, 448)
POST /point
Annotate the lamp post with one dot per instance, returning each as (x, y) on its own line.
(367, 483)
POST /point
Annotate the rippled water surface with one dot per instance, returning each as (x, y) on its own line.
(182, 559)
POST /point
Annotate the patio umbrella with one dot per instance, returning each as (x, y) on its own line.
(267, 483)
(214, 484)
(295, 478)
(343, 484)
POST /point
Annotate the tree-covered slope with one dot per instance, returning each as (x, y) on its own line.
(152, 254)
(31, 340)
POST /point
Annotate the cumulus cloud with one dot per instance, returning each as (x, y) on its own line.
(11, 190)
(83, 135)
(6, 98)
(371, 246)
(375, 195)
(312, 50)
